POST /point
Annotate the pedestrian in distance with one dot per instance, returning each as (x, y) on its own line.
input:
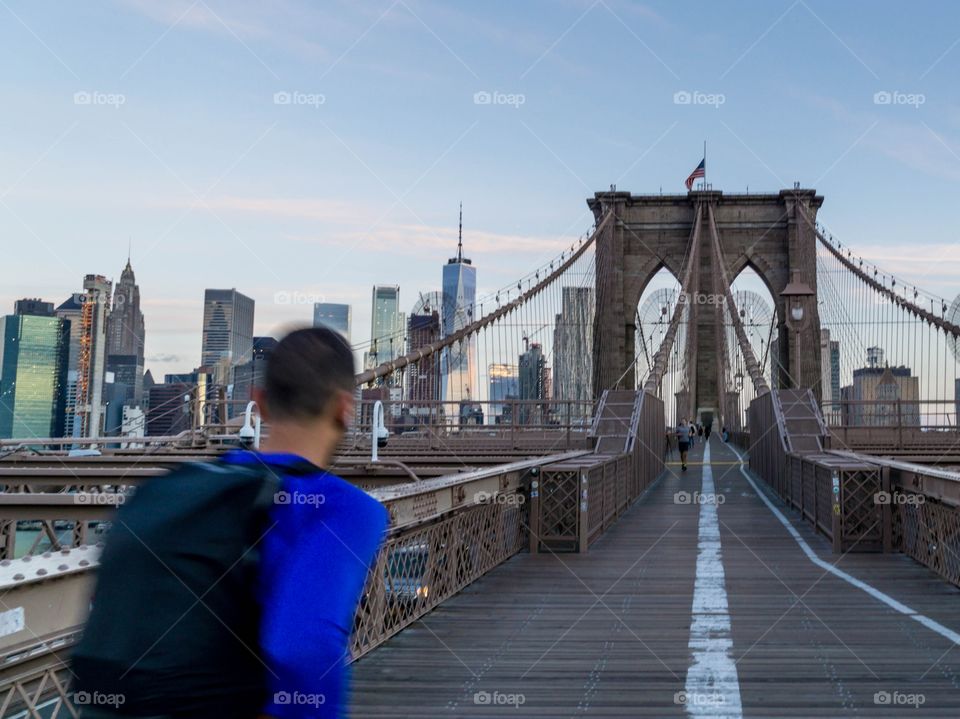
(683, 442)
(229, 589)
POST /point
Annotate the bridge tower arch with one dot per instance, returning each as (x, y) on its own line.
(774, 234)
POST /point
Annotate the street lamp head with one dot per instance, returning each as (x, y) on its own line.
(797, 313)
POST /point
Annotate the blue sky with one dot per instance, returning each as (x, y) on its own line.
(184, 149)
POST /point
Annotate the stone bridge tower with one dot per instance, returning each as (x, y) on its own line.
(767, 233)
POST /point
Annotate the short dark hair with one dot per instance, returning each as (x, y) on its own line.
(305, 372)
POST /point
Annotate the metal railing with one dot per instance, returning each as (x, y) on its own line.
(576, 501)
(445, 533)
(895, 425)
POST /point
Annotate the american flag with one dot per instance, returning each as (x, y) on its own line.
(701, 171)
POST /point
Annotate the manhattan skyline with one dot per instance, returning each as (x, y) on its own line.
(313, 152)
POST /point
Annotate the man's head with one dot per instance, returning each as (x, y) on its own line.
(309, 383)
(683, 421)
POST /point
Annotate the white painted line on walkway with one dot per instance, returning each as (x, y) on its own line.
(839, 573)
(712, 687)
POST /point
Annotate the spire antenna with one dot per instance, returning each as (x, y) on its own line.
(460, 235)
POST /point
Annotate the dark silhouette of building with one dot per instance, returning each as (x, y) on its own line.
(126, 333)
(171, 409)
(34, 307)
(423, 376)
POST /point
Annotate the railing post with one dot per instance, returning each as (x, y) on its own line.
(886, 509)
(899, 423)
(837, 512)
(583, 516)
(533, 519)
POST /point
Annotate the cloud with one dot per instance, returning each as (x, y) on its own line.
(163, 358)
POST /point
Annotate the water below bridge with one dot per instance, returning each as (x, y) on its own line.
(708, 598)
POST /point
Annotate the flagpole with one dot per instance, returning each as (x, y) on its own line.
(704, 164)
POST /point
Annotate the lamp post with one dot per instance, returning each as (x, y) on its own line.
(796, 296)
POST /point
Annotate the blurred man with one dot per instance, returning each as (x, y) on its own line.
(229, 589)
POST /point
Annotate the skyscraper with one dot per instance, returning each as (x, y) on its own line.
(459, 362)
(92, 356)
(386, 325)
(333, 315)
(227, 328)
(252, 374)
(504, 385)
(573, 347)
(70, 310)
(33, 376)
(423, 376)
(533, 382)
(125, 335)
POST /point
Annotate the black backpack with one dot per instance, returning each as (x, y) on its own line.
(174, 626)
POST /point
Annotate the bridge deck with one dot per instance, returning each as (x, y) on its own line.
(609, 633)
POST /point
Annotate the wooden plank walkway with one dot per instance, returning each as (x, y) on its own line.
(608, 633)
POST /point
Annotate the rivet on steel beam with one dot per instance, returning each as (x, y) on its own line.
(62, 568)
(41, 572)
(84, 563)
(18, 577)
(27, 558)
(5, 563)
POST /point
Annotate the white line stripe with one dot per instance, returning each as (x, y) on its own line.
(849, 579)
(713, 687)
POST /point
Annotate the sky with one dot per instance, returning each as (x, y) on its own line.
(305, 151)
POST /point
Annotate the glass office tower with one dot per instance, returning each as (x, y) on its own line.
(33, 376)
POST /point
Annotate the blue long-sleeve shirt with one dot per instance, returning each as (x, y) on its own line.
(314, 561)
